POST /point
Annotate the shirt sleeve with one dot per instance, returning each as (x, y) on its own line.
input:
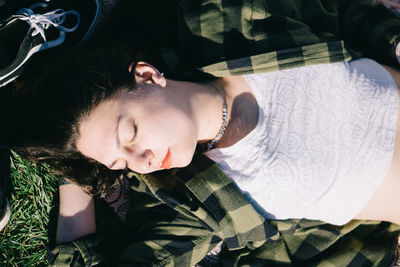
(84, 251)
(167, 250)
(155, 235)
(158, 235)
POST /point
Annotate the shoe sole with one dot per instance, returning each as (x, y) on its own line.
(6, 216)
(18, 65)
(22, 59)
(4, 79)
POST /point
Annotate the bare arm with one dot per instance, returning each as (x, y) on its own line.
(76, 215)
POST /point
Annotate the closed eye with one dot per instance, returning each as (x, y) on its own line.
(134, 134)
(119, 164)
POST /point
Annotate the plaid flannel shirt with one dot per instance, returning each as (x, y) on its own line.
(225, 37)
(178, 216)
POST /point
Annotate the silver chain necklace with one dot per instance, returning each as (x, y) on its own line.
(213, 142)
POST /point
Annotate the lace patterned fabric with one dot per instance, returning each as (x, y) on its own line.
(117, 197)
(323, 143)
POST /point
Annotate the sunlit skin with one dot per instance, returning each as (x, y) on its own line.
(141, 142)
(155, 129)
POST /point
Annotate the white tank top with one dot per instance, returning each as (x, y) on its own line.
(323, 143)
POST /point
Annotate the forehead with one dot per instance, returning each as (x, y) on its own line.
(96, 131)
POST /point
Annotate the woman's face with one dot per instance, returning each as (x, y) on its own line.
(145, 133)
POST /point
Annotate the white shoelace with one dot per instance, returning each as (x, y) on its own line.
(41, 22)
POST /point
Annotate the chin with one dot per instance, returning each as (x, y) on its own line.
(182, 164)
(185, 160)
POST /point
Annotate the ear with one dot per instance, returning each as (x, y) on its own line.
(146, 73)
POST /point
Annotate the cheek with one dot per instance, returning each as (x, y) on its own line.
(188, 156)
(178, 134)
(174, 124)
(186, 147)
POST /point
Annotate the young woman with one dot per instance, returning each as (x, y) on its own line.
(316, 142)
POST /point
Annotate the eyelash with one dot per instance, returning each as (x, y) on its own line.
(135, 133)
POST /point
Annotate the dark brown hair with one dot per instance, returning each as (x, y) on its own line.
(50, 106)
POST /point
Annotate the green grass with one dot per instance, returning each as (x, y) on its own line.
(23, 241)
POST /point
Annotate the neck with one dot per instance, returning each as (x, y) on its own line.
(214, 108)
(205, 105)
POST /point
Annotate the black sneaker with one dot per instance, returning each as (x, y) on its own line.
(10, 7)
(28, 32)
(47, 24)
(93, 14)
(5, 213)
(5, 182)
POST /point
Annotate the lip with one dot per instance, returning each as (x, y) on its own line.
(166, 162)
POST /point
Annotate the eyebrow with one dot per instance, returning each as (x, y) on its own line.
(117, 141)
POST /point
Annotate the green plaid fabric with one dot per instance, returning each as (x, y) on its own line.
(236, 37)
(215, 209)
(85, 251)
(178, 216)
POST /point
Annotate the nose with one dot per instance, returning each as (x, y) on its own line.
(140, 161)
